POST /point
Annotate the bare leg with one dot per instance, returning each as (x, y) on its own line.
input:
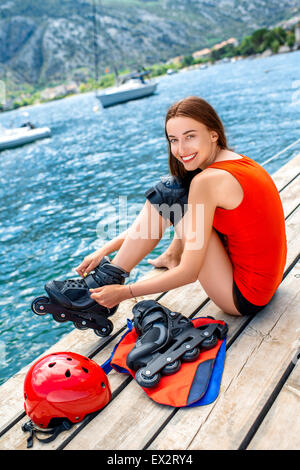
(216, 275)
(143, 236)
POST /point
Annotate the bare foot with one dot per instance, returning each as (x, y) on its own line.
(166, 260)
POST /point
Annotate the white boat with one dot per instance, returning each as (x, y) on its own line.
(133, 87)
(10, 138)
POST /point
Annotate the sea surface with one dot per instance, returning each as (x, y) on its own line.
(63, 197)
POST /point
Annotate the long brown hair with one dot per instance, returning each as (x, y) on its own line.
(200, 110)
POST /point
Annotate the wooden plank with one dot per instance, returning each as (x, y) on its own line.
(280, 429)
(290, 197)
(287, 172)
(253, 366)
(292, 235)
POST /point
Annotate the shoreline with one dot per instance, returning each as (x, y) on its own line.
(203, 65)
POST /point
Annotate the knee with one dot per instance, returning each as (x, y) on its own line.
(170, 198)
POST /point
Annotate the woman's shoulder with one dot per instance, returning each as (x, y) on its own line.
(211, 179)
(210, 174)
(222, 184)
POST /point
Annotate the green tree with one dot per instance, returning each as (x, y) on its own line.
(258, 37)
(246, 47)
(275, 44)
(272, 38)
(187, 61)
(280, 34)
(290, 40)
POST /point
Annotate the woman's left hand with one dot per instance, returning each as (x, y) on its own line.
(110, 295)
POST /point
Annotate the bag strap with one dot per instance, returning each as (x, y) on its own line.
(106, 366)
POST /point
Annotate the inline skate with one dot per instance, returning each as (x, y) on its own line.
(70, 300)
(166, 339)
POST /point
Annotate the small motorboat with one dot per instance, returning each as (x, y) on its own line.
(130, 87)
(10, 138)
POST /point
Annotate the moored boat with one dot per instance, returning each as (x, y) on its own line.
(132, 87)
(10, 138)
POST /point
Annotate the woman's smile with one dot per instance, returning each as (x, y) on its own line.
(188, 158)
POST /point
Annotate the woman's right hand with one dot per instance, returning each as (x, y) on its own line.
(90, 262)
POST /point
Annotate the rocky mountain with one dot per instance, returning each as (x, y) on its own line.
(49, 41)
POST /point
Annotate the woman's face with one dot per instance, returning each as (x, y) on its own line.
(191, 142)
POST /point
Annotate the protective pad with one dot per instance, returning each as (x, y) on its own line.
(170, 198)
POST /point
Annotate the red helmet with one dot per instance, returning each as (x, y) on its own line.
(64, 385)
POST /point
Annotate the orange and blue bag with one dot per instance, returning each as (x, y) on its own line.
(177, 361)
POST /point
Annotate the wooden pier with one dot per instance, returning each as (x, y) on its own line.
(258, 406)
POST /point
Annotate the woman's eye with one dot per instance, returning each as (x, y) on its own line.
(172, 141)
(190, 136)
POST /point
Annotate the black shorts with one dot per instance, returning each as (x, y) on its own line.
(242, 304)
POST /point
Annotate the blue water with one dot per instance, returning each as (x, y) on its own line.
(58, 194)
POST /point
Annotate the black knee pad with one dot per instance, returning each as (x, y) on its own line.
(170, 198)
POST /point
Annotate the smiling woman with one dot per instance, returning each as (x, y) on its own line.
(236, 248)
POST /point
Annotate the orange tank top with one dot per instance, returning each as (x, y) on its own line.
(255, 231)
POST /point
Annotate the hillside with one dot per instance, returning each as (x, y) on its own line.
(50, 41)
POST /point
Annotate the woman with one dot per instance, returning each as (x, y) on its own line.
(232, 234)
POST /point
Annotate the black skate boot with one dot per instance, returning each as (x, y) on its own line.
(165, 339)
(70, 300)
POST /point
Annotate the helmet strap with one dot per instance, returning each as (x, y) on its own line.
(33, 430)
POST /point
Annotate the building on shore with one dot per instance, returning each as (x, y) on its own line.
(220, 45)
(202, 54)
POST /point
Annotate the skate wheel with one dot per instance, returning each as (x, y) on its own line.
(80, 325)
(60, 317)
(38, 305)
(171, 368)
(146, 381)
(190, 356)
(106, 330)
(209, 342)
